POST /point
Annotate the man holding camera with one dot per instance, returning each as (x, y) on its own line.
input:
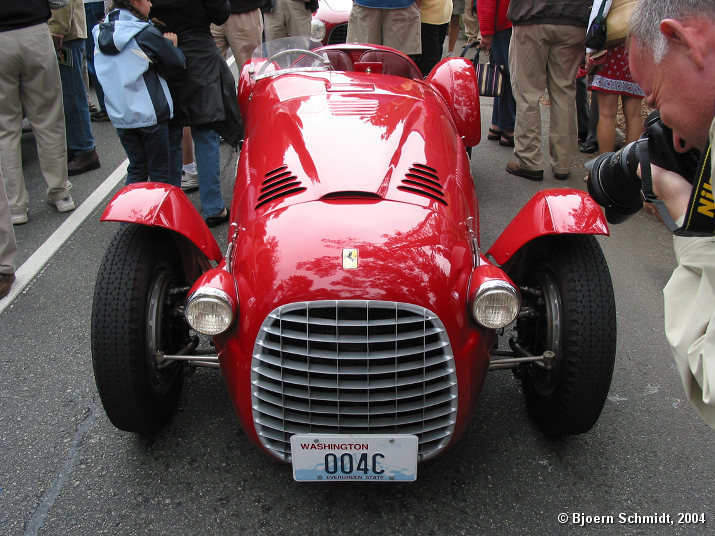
(672, 57)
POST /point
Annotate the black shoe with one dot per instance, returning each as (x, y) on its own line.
(99, 116)
(515, 169)
(561, 176)
(83, 162)
(214, 221)
(588, 147)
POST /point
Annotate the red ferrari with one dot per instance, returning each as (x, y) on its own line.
(354, 313)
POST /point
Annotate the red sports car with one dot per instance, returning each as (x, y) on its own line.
(354, 313)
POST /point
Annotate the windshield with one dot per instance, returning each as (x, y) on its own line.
(288, 55)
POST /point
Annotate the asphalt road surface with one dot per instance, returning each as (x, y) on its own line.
(647, 467)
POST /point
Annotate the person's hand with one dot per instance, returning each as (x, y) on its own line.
(57, 40)
(171, 36)
(594, 59)
(486, 43)
(672, 189)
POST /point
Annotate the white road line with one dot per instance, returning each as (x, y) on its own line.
(32, 266)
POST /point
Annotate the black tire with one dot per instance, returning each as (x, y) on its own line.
(130, 298)
(568, 286)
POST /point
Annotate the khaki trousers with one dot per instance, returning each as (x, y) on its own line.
(545, 57)
(30, 80)
(8, 246)
(395, 28)
(242, 32)
(289, 18)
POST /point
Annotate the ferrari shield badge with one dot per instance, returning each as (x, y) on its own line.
(350, 259)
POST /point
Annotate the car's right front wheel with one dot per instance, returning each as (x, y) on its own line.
(568, 309)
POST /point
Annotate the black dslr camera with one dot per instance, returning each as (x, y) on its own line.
(614, 182)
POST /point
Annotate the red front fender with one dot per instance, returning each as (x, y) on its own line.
(161, 205)
(562, 210)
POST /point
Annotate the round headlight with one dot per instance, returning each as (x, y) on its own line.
(495, 304)
(209, 311)
(317, 30)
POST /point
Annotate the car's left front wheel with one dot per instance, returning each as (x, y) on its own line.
(135, 317)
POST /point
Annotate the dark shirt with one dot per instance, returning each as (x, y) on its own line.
(16, 14)
(244, 6)
(180, 16)
(564, 12)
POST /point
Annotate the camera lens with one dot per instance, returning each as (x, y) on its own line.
(614, 183)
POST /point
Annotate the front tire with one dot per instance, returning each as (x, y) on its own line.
(133, 317)
(567, 287)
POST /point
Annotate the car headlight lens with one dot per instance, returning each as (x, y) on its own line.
(317, 30)
(209, 311)
(495, 304)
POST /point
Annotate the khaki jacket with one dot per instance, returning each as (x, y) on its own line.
(69, 21)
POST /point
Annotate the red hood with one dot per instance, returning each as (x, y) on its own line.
(363, 137)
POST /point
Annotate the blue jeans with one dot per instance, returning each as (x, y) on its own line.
(148, 152)
(207, 148)
(94, 13)
(504, 111)
(79, 130)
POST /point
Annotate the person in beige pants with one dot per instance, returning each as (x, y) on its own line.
(547, 45)
(8, 246)
(242, 32)
(289, 18)
(30, 81)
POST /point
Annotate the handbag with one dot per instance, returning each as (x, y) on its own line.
(490, 76)
(596, 33)
(617, 21)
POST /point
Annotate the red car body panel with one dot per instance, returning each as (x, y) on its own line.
(454, 79)
(161, 205)
(549, 212)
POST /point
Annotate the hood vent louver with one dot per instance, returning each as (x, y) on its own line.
(423, 180)
(278, 183)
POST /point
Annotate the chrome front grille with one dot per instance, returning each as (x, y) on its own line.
(353, 367)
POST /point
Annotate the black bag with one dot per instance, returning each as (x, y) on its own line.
(596, 33)
(491, 77)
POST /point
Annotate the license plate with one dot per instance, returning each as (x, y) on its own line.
(380, 458)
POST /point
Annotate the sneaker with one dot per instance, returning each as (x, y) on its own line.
(6, 281)
(26, 126)
(190, 177)
(83, 163)
(65, 204)
(18, 219)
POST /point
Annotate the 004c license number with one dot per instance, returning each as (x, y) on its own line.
(347, 463)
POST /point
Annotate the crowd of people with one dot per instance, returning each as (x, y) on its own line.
(172, 104)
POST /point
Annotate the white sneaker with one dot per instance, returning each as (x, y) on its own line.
(190, 177)
(64, 205)
(26, 126)
(18, 219)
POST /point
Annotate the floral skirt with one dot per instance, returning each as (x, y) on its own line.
(614, 76)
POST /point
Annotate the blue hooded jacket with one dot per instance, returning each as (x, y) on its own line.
(133, 61)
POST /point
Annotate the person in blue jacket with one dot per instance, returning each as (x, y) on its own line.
(133, 63)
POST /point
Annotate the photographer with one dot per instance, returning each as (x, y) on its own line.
(672, 58)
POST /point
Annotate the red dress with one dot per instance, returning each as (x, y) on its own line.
(614, 76)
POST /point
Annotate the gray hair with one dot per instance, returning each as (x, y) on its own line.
(645, 22)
